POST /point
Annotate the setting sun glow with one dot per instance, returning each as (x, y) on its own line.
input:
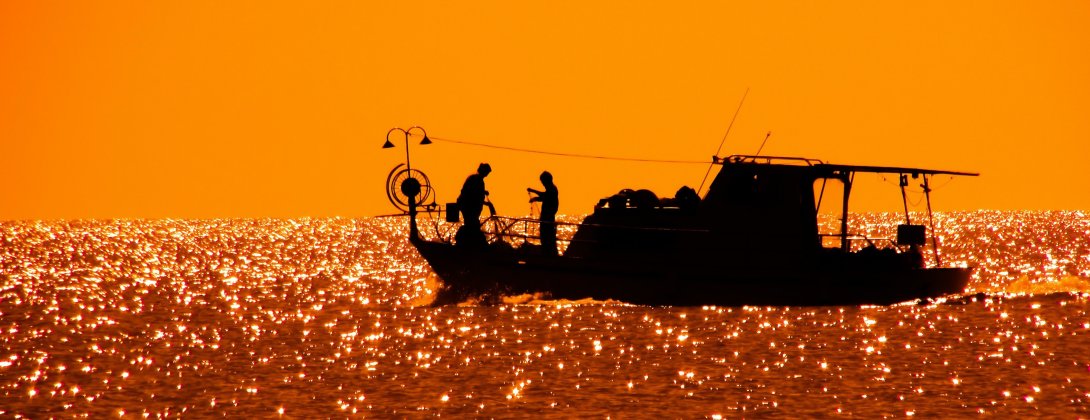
(278, 109)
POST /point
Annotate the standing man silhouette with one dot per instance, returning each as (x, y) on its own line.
(470, 203)
(550, 203)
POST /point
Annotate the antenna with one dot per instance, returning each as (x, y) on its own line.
(731, 125)
(763, 143)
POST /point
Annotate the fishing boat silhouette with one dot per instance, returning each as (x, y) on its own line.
(752, 239)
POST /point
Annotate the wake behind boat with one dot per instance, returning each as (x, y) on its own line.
(752, 239)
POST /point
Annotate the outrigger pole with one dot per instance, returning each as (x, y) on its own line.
(904, 197)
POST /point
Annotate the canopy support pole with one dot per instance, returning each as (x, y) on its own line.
(848, 178)
(904, 197)
(931, 221)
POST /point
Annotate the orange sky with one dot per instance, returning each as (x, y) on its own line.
(269, 109)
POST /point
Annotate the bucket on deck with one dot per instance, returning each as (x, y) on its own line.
(452, 213)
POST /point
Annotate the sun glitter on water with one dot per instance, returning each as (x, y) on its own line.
(302, 318)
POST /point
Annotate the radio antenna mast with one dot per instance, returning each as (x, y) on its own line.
(763, 143)
(716, 156)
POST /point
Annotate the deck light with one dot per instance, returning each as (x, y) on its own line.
(406, 133)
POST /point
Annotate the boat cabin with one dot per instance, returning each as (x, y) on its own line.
(758, 210)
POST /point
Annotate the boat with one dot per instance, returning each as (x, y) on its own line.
(752, 239)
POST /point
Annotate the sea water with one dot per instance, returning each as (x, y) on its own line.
(316, 318)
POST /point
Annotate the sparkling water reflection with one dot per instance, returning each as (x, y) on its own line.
(321, 318)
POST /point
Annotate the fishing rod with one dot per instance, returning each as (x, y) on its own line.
(720, 148)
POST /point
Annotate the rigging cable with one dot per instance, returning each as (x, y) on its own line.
(575, 155)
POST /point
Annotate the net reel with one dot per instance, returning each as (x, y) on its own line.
(403, 184)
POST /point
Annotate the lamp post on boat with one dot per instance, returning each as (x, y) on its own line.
(406, 133)
(411, 186)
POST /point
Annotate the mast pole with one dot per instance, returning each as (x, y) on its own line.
(414, 232)
(410, 186)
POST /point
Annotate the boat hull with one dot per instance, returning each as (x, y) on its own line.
(471, 273)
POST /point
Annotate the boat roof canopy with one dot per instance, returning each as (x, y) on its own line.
(817, 164)
(893, 170)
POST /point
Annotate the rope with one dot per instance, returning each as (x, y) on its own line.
(574, 155)
(944, 184)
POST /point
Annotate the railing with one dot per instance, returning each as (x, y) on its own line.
(495, 228)
(501, 228)
(767, 160)
(853, 239)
